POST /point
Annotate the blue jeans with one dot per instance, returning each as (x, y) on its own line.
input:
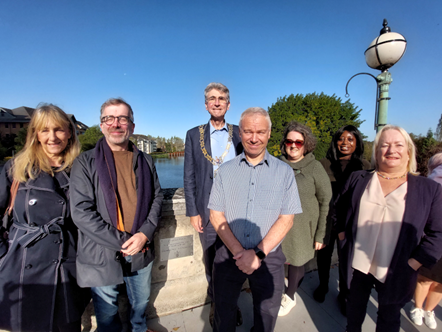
(106, 302)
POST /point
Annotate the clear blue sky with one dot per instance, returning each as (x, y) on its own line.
(160, 55)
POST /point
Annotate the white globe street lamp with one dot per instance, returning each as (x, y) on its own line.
(383, 52)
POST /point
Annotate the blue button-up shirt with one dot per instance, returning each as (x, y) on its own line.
(218, 144)
(253, 197)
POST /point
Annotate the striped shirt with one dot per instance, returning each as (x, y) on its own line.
(253, 197)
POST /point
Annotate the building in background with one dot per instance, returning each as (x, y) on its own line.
(12, 120)
(144, 143)
(79, 126)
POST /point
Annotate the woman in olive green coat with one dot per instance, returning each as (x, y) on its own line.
(309, 228)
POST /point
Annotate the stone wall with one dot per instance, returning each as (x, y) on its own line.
(180, 283)
(177, 284)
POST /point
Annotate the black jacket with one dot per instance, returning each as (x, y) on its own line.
(98, 240)
(420, 236)
(38, 272)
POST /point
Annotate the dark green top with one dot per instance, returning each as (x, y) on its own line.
(309, 226)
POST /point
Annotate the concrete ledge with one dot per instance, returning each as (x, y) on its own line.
(177, 284)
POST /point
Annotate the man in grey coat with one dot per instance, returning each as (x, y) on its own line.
(116, 203)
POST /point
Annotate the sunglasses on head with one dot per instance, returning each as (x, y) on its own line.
(298, 144)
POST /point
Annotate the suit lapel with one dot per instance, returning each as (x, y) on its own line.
(410, 200)
(236, 140)
(207, 139)
(407, 221)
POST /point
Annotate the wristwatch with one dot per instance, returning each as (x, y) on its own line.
(261, 255)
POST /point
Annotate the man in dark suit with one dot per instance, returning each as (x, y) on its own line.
(207, 147)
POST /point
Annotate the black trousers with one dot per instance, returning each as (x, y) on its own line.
(323, 260)
(266, 284)
(208, 243)
(389, 315)
(71, 327)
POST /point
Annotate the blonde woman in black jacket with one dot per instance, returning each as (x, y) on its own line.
(38, 286)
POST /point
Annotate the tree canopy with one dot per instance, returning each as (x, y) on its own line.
(426, 147)
(322, 113)
(20, 139)
(90, 138)
(438, 133)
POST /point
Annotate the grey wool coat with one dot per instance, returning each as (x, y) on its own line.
(309, 226)
(98, 240)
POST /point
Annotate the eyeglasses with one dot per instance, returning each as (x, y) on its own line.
(110, 119)
(221, 100)
(298, 144)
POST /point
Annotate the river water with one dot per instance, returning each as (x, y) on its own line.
(170, 171)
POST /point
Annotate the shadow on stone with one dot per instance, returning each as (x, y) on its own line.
(177, 284)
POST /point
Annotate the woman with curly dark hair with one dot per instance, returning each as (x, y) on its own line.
(343, 158)
(309, 228)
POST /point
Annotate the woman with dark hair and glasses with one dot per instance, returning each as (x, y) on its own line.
(309, 228)
(343, 158)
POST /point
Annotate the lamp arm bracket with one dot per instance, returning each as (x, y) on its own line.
(346, 86)
(378, 80)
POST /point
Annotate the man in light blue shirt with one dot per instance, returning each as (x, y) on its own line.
(219, 141)
(207, 147)
(252, 205)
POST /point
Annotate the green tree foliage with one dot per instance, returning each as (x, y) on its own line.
(7, 144)
(173, 144)
(368, 150)
(438, 133)
(161, 144)
(20, 139)
(426, 146)
(322, 113)
(90, 138)
(3, 152)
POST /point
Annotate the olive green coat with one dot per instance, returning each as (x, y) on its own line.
(310, 226)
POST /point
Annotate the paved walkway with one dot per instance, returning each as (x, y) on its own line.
(307, 316)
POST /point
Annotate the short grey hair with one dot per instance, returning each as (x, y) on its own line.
(434, 162)
(255, 111)
(217, 86)
(117, 101)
